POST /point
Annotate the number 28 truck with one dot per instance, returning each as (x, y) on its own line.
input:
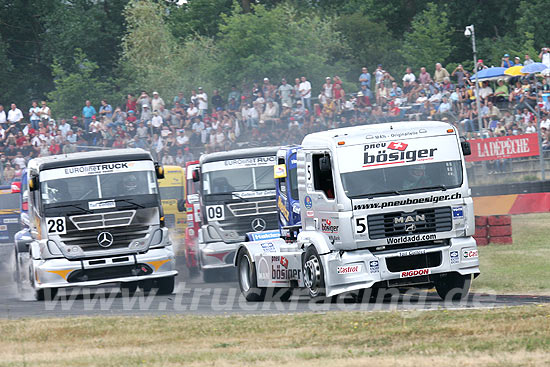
(96, 218)
(379, 206)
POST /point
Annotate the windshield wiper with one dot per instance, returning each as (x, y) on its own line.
(70, 205)
(130, 202)
(370, 196)
(442, 187)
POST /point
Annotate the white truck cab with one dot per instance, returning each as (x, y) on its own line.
(384, 205)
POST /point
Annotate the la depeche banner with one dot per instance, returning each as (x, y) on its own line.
(503, 147)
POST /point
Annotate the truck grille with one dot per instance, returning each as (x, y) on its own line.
(103, 220)
(87, 239)
(403, 223)
(253, 208)
(242, 225)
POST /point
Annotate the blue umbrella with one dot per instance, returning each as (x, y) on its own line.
(489, 74)
(535, 67)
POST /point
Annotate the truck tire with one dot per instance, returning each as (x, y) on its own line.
(47, 294)
(129, 288)
(453, 284)
(166, 285)
(248, 282)
(314, 275)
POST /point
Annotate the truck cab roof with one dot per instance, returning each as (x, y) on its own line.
(376, 132)
(238, 154)
(93, 157)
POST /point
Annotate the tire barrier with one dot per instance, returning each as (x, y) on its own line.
(493, 229)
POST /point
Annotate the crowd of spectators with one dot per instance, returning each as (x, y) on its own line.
(183, 127)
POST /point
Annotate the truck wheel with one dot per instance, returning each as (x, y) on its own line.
(314, 276)
(453, 284)
(129, 288)
(247, 278)
(47, 294)
(166, 285)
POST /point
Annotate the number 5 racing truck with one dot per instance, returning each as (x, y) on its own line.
(237, 197)
(96, 218)
(380, 206)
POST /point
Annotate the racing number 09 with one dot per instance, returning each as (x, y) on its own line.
(215, 212)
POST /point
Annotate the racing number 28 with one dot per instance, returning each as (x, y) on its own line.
(56, 225)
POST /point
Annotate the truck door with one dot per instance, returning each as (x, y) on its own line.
(319, 203)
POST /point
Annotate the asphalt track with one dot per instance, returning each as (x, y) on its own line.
(192, 296)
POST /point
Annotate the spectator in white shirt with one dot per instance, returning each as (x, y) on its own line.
(192, 111)
(305, 92)
(15, 115)
(64, 127)
(202, 99)
(34, 114)
(2, 115)
(45, 112)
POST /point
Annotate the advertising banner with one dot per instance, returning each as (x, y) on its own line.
(514, 146)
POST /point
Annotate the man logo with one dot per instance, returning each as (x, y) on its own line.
(409, 218)
(105, 239)
(258, 224)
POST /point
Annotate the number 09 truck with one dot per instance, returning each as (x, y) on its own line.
(96, 218)
(380, 206)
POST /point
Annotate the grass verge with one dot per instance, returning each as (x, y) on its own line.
(523, 267)
(494, 337)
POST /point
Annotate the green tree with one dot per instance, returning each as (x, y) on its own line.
(370, 42)
(72, 89)
(277, 43)
(198, 17)
(6, 69)
(429, 40)
(94, 26)
(152, 57)
(532, 21)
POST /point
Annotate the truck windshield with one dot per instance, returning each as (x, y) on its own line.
(240, 179)
(93, 187)
(403, 179)
(171, 193)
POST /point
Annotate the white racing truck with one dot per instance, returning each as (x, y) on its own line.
(381, 206)
(237, 197)
(95, 218)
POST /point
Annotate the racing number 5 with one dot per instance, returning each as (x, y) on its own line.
(360, 226)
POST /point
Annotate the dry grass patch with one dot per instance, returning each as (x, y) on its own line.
(499, 337)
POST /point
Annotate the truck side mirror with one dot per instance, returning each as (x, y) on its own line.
(466, 148)
(159, 171)
(196, 176)
(324, 164)
(181, 205)
(33, 183)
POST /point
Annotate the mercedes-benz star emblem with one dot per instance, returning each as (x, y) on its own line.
(258, 224)
(105, 239)
(411, 228)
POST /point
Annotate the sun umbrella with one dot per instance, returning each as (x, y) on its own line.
(489, 74)
(514, 70)
(535, 67)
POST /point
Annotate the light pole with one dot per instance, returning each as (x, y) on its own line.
(470, 31)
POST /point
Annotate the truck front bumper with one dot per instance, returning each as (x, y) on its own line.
(353, 270)
(62, 273)
(217, 255)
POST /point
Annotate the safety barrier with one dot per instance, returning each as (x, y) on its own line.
(495, 229)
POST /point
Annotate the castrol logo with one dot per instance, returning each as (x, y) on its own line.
(414, 273)
(348, 269)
